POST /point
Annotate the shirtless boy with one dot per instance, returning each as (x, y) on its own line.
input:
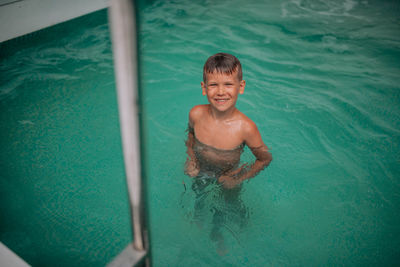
(218, 131)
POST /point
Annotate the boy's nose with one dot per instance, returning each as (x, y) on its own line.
(221, 90)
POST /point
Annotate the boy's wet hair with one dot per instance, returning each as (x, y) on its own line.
(222, 63)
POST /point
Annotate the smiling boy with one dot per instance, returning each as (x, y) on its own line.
(218, 131)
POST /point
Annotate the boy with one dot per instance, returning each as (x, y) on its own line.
(218, 131)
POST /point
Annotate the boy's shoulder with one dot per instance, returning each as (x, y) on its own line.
(249, 126)
(246, 120)
(250, 132)
(197, 111)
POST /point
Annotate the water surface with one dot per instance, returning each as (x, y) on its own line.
(322, 86)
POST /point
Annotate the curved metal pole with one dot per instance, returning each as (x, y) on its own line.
(123, 28)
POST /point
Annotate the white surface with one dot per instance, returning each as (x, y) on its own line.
(26, 16)
(128, 257)
(9, 258)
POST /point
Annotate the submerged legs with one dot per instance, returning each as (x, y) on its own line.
(228, 213)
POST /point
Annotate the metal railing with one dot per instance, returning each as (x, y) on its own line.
(123, 30)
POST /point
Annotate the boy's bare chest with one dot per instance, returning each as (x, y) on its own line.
(219, 135)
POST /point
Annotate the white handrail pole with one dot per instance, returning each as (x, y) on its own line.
(123, 28)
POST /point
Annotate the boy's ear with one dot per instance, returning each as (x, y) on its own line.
(242, 85)
(203, 88)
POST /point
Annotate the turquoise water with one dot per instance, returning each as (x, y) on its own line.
(62, 186)
(322, 86)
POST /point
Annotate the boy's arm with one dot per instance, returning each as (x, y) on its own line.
(191, 166)
(254, 141)
(263, 157)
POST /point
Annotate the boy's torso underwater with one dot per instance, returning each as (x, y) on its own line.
(214, 162)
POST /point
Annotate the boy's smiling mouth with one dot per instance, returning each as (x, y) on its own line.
(221, 100)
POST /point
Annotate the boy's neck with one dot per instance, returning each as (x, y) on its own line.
(221, 115)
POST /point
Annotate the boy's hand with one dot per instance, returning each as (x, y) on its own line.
(230, 179)
(228, 182)
(191, 168)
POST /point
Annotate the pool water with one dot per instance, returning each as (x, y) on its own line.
(322, 86)
(62, 186)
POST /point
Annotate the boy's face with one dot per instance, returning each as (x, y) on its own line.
(222, 89)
